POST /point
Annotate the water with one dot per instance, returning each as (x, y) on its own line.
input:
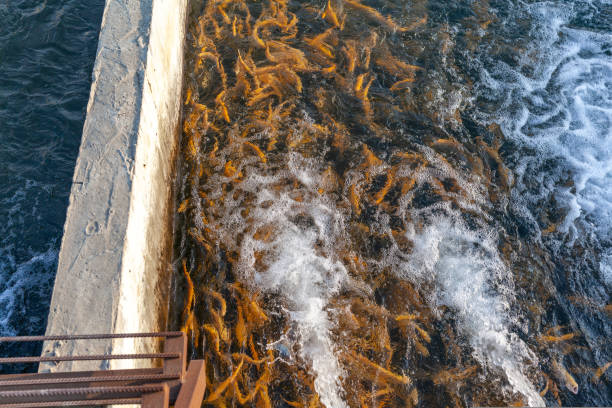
(47, 50)
(398, 204)
(555, 108)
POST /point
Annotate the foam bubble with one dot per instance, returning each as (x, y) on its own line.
(303, 271)
(307, 281)
(19, 284)
(605, 268)
(471, 279)
(557, 102)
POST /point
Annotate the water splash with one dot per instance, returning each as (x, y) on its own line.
(361, 168)
(23, 286)
(471, 279)
(556, 101)
(304, 273)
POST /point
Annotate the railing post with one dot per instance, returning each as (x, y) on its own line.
(194, 386)
(175, 366)
(160, 399)
(176, 344)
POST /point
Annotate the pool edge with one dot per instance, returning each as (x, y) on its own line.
(113, 274)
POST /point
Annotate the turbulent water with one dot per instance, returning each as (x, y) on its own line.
(388, 203)
(46, 56)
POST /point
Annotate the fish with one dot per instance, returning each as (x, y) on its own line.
(229, 169)
(319, 43)
(380, 196)
(330, 15)
(454, 375)
(241, 330)
(600, 371)
(221, 104)
(214, 334)
(374, 15)
(257, 150)
(401, 84)
(564, 377)
(183, 206)
(556, 339)
(359, 82)
(226, 18)
(354, 198)
(223, 386)
(373, 371)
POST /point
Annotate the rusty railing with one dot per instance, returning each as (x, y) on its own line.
(159, 387)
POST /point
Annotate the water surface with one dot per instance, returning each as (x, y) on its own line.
(390, 203)
(47, 51)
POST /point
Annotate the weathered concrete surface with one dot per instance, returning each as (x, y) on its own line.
(112, 272)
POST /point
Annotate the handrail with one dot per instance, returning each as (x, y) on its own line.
(75, 403)
(18, 339)
(65, 392)
(45, 359)
(174, 382)
(75, 380)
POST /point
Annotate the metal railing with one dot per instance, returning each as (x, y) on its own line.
(172, 383)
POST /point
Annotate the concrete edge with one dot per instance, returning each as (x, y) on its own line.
(113, 273)
(145, 271)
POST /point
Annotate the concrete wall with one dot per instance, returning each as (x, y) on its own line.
(113, 273)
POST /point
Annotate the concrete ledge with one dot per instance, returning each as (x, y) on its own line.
(113, 274)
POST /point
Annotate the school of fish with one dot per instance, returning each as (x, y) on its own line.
(297, 110)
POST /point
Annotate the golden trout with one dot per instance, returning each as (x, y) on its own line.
(564, 377)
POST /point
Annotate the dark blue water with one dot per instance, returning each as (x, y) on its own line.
(47, 51)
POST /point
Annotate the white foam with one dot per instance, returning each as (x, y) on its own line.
(303, 272)
(26, 273)
(563, 110)
(471, 279)
(306, 281)
(19, 281)
(300, 266)
(605, 268)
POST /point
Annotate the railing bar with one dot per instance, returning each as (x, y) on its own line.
(43, 359)
(69, 380)
(80, 403)
(90, 336)
(61, 392)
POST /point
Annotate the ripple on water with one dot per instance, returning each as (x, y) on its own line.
(47, 51)
(415, 243)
